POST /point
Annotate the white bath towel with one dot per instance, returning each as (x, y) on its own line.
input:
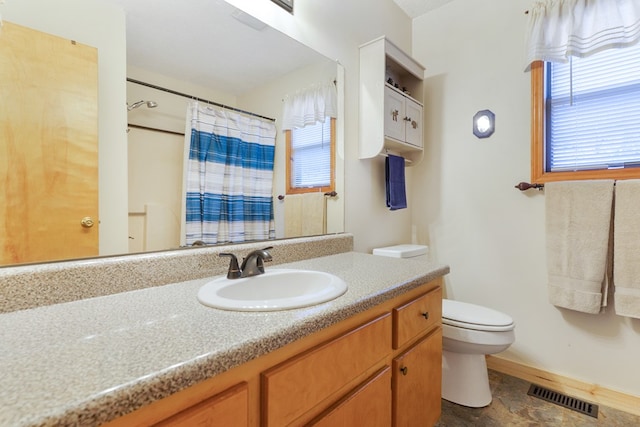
(578, 220)
(626, 255)
(305, 214)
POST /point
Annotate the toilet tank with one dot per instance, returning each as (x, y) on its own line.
(403, 251)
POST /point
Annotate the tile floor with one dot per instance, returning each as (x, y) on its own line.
(512, 407)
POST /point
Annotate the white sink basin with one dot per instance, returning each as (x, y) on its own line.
(276, 289)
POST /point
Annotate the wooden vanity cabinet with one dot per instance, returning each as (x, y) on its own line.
(417, 379)
(377, 368)
(417, 383)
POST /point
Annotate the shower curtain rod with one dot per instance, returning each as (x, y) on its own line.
(152, 86)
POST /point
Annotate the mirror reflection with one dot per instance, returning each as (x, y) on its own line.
(248, 66)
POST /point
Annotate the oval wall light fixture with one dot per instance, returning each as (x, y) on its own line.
(484, 123)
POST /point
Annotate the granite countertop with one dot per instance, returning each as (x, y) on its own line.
(89, 361)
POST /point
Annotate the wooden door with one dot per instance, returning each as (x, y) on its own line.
(417, 382)
(48, 147)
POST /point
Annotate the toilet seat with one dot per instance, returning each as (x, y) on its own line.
(470, 316)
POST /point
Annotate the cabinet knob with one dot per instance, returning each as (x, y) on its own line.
(404, 370)
(425, 315)
(407, 119)
(394, 115)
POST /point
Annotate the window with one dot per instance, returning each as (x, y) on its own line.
(311, 158)
(586, 117)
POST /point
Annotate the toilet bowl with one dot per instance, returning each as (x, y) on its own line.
(469, 333)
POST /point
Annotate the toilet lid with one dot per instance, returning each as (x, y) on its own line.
(471, 316)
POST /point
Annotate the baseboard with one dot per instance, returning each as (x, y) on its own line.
(590, 392)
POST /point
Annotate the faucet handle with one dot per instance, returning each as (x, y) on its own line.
(234, 270)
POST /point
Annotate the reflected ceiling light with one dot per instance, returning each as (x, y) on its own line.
(249, 20)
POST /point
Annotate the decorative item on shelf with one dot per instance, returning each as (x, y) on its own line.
(390, 81)
(484, 123)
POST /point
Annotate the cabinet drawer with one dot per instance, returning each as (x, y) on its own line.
(369, 404)
(299, 384)
(417, 316)
(229, 408)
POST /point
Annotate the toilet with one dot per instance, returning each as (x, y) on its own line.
(469, 333)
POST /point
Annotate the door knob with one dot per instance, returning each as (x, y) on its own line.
(87, 222)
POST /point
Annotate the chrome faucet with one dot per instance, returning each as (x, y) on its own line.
(252, 264)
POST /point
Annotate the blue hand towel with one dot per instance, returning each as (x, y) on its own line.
(394, 175)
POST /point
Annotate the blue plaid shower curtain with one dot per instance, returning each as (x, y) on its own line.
(229, 176)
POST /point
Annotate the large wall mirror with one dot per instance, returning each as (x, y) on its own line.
(202, 48)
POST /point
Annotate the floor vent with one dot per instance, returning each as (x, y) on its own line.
(564, 400)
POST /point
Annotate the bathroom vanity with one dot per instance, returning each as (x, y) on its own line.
(158, 356)
(380, 365)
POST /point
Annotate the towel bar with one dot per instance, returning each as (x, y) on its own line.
(328, 194)
(385, 154)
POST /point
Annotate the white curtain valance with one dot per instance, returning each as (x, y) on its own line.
(561, 28)
(309, 106)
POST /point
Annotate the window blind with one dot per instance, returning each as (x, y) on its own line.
(311, 155)
(593, 111)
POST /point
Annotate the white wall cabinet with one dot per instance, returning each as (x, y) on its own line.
(403, 118)
(391, 97)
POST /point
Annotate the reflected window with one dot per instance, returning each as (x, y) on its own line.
(311, 158)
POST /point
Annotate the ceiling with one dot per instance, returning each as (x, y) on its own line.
(205, 43)
(415, 8)
(201, 41)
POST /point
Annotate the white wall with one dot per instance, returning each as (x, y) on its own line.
(102, 26)
(466, 207)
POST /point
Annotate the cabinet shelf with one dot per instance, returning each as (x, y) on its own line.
(391, 102)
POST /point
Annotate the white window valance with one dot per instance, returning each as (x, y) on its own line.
(559, 29)
(309, 106)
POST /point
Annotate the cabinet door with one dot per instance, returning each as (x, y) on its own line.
(305, 381)
(413, 123)
(417, 380)
(369, 404)
(394, 123)
(227, 409)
